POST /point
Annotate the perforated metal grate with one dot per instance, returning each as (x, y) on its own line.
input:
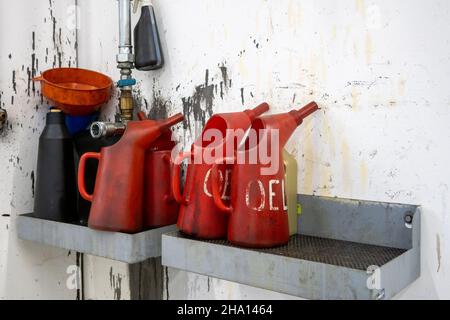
(335, 252)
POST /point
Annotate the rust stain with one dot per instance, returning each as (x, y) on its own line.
(328, 135)
(308, 164)
(356, 48)
(369, 48)
(334, 33)
(355, 97)
(346, 170)
(360, 7)
(326, 179)
(242, 68)
(363, 174)
(326, 174)
(293, 14)
(392, 103)
(401, 86)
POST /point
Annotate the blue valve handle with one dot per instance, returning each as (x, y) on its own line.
(126, 82)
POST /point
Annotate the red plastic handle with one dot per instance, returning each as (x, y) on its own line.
(215, 182)
(176, 177)
(81, 167)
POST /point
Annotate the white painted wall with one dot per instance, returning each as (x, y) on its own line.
(27, 270)
(379, 69)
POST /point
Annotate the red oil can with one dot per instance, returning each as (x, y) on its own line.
(258, 209)
(160, 208)
(118, 194)
(198, 216)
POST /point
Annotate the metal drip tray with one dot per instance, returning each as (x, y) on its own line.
(129, 248)
(346, 249)
(346, 254)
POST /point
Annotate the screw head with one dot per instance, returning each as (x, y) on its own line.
(408, 218)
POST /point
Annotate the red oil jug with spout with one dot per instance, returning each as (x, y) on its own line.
(118, 193)
(160, 208)
(198, 216)
(258, 206)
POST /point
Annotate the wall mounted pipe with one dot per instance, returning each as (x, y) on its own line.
(125, 56)
(125, 61)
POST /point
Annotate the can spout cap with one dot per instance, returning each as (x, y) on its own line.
(256, 112)
(307, 110)
(173, 120)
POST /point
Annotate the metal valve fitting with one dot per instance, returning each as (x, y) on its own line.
(106, 129)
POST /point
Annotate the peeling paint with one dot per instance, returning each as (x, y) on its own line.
(346, 170)
(363, 174)
(199, 105)
(161, 106)
(32, 182)
(14, 81)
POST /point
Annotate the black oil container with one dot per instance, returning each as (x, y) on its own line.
(56, 194)
(147, 45)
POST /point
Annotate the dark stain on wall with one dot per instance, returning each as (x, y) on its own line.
(79, 263)
(242, 96)
(225, 83)
(221, 90)
(224, 71)
(116, 284)
(256, 43)
(32, 182)
(33, 72)
(53, 19)
(167, 282)
(57, 39)
(200, 104)
(59, 59)
(160, 106)
(14, 84)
